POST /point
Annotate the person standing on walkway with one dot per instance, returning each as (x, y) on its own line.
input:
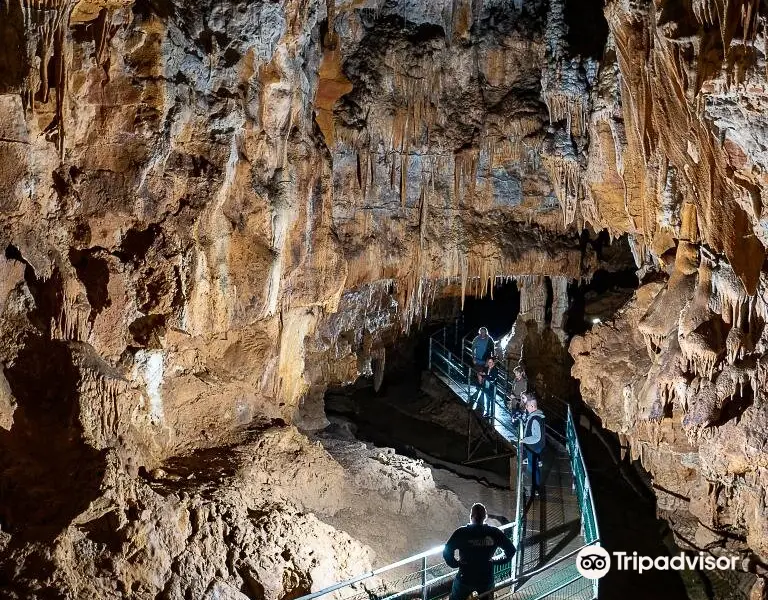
(533, 440)
(476, 399)
(483, 348)
(489, 389)
(519, 385)
(476, 544)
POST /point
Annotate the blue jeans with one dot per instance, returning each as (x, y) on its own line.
(489, 392)
(533, 468)
(461, 591)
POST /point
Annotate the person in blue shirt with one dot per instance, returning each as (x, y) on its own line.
(476, 544)
(483, 348)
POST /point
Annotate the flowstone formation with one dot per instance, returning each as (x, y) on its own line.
(680, 373)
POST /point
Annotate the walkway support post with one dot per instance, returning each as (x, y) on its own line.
(469, 415)
(430, 353)
(469, 432)
(469, 384)
(424, 593)
(519, 506)
(456, 333)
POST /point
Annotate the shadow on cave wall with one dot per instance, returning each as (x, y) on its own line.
(48, 475)
(13, 60)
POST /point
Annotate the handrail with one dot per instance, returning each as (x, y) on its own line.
(504, 373)
(509, 582)
(502, 388)
(517, 578)
(578, 456)
(455, 364)
(519, 499)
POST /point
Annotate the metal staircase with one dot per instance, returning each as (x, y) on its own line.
(453, 366)
(545, 563)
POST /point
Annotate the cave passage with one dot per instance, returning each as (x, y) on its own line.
(413, 415)
(597, 300)
(497, 313)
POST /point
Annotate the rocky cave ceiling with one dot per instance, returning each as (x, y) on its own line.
(211, 211)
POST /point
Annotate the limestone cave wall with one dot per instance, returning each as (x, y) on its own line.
(211, 211)
(679, 372)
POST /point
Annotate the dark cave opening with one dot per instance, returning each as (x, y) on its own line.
(587, 27)
(48, 474)
(598, 299)
(498, 312)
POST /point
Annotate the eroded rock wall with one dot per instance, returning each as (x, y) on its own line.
(190, 192)
(213, 210)
(679, 373)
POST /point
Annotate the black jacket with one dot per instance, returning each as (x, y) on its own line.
(476, 545)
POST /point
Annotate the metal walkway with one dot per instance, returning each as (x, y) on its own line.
(548, 531)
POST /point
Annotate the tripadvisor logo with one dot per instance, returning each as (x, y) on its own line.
(593, 562)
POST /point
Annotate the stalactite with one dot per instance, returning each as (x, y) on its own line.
(463, 280)
(728, 295)
(564, 87)
(45, 27)
(566, 177)
(464, 173)
(61, 88)
(560, 306)
(567, 107)
(699, 354)
(403, 178)
(717, 13)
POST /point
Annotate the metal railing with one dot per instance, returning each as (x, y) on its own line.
(460, 371)
(504, 381)
(462, 378)
(534, 584)
(554, 406)
(589, 529)
(561, 426)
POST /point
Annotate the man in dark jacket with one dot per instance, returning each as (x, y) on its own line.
(533, 440)
(476, 543)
